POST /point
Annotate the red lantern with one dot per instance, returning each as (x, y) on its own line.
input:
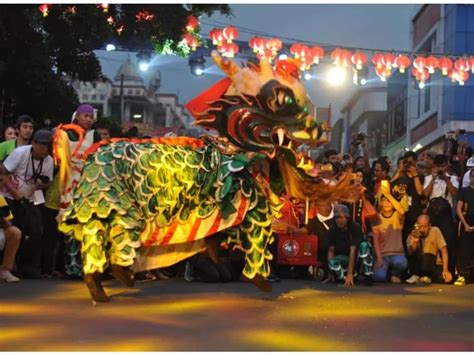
(192, 23)
(462, 77)
(377, 60)
(336, 56)
(359, 59)
(383, 73)
(72, 10)
(470, 64)
(388, 60)
(260, 44)
(104, 7)
(216, 35)
(120, 29)
(144, 16)
(345, 58)
(230, 33)
(44, 9)
(421, 75)
(274, 45)
(402, 62)
(420, 63)
(317, 53)
(194, 43)
(110, 20)
(431, 64)
(230, 49)
(445, 64)
(188, 38)
(295, 49)
(461, 64)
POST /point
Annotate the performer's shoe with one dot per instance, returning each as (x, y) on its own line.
(123, 274)
(95, 287)
(258, 281)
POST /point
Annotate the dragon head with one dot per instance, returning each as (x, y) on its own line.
(258, 108)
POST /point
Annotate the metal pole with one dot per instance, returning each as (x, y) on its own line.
(122, 102)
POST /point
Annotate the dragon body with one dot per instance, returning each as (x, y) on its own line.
(151, 203)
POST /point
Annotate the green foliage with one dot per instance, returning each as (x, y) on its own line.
(37, 53)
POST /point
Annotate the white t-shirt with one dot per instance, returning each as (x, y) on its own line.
(466, 180)
(21, 165)
(440, 188)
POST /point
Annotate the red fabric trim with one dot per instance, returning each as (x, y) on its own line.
(170, 233)
(200, 103)
(194, 229)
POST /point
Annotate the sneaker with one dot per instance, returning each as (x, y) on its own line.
(414, 279)
(461, 281)
(7, 276)
(395, 279)
(188, 272)
(425, 280)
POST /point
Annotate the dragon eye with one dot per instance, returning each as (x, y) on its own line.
(288, 100)
(305, 110)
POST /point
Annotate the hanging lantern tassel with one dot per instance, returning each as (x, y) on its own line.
(44, 9)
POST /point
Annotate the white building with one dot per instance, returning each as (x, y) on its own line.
(132, 103)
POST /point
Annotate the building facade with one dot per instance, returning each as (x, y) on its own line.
(366, 112)
(442, 106)
(130, 102)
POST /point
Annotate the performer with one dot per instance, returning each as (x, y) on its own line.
(80, 137)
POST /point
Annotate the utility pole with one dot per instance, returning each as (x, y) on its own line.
(122, 102)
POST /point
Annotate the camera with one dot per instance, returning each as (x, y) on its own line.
(43, 178)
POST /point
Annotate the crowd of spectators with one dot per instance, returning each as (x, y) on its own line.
(412, 221)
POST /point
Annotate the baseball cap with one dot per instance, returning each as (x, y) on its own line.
(341, 210)
(43, 136)
(470, 162)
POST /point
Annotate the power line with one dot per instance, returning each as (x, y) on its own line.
(324, 45)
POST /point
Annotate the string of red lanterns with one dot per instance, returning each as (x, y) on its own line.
(384, 62)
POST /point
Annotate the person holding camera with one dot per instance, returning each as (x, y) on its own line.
(440, 183)
(388, 244)
(427, 244)
(26, 174)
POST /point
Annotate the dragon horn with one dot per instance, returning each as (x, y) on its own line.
(227, 65)
(266, 68)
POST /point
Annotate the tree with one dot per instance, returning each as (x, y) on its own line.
(38, 52)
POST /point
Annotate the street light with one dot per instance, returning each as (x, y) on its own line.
(143, 60)
(196, 65)
(336, 76)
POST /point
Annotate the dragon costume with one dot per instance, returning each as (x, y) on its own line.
(150, 203)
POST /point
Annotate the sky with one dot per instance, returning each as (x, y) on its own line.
(366, 26)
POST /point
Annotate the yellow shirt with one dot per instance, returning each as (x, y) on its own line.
(5, 211)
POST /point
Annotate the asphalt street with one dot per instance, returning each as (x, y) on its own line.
(175, 315)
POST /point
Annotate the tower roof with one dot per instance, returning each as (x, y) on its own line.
(129, 73)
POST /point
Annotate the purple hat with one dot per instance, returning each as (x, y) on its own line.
(85, 109)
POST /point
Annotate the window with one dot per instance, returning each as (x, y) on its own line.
(85, 97)
(94, 97)
(138, 92)
(102, 97)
